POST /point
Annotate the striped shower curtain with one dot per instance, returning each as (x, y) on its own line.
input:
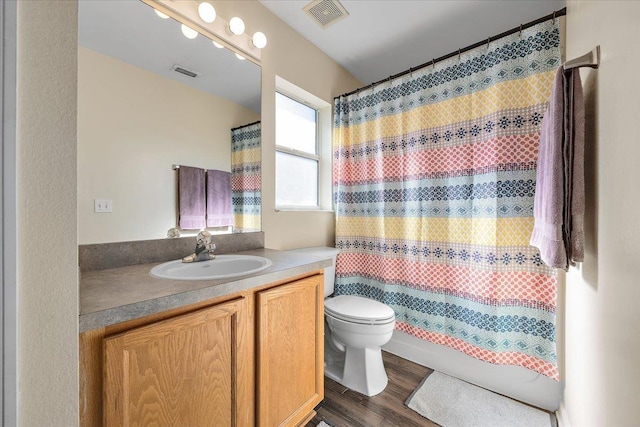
(434, 177)
(246, 180)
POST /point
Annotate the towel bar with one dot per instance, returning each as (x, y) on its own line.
(591, 59)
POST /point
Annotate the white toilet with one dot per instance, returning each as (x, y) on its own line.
(355, 329)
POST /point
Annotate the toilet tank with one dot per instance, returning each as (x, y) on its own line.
(329, 272)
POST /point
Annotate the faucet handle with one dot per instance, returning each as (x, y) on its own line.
(204, 248)
(204, 238)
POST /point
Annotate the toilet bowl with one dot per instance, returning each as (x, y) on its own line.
(355, 330)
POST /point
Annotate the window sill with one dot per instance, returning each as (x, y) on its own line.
(303, 210)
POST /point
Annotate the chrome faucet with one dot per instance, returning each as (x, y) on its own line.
(204, 248)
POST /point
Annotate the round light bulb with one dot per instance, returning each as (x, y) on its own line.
(189, 33)
(161, 15)
(236, 25)
(240, 57)
(218, 45)
(259, 40)
(207, 12)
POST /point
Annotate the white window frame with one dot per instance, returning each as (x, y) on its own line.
(323, 145)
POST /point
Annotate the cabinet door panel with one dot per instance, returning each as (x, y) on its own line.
(181, 371)
(290, 352)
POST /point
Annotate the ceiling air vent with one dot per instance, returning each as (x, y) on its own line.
(180, 69)
(325, 12)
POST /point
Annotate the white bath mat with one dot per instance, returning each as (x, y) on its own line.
(451, 402)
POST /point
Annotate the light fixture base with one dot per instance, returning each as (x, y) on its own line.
(186, 12)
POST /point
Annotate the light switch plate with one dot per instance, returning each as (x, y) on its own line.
(102, 205)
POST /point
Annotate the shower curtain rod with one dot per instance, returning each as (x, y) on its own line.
(553, 15)
(244, 126)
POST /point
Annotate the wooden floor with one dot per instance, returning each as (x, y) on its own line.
(342, 407)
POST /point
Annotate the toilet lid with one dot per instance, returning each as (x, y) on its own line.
(358, 309)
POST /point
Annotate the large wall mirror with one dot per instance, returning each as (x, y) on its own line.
(138, 116)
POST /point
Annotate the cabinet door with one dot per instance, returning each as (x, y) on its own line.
(183, 371)
(290, 352)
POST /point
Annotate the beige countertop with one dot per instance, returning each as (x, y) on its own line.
(116, 295)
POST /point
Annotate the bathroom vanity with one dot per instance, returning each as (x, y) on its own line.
(238, 352)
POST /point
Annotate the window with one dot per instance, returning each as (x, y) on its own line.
(297, 154)
(303, 149)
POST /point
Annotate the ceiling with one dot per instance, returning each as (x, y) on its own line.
(381, 38)
(378, 39)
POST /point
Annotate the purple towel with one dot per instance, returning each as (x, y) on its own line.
(558, 208)
(191, 197)
(574, 126)
(219, 208)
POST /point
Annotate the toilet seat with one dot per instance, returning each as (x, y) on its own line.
(354, 309)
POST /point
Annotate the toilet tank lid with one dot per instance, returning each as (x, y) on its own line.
(319, 251)
(358, 308)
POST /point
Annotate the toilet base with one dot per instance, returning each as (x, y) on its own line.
(361, 370)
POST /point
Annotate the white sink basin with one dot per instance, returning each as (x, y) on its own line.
(223, 267)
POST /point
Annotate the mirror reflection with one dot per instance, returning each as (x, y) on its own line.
(150, 98)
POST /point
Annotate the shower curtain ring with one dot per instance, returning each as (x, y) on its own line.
(554, 16)
(488, 41)
(433, 64)
(520, 30)
(458, 54)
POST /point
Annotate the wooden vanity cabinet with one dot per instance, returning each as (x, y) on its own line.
(251, 358)
(179, 371)
(290, 353)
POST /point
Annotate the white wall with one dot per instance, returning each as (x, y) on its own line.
(47, 243)
(602, 341)
(295, 59)
(132, 126)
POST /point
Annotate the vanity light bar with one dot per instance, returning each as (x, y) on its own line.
(197, 15)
